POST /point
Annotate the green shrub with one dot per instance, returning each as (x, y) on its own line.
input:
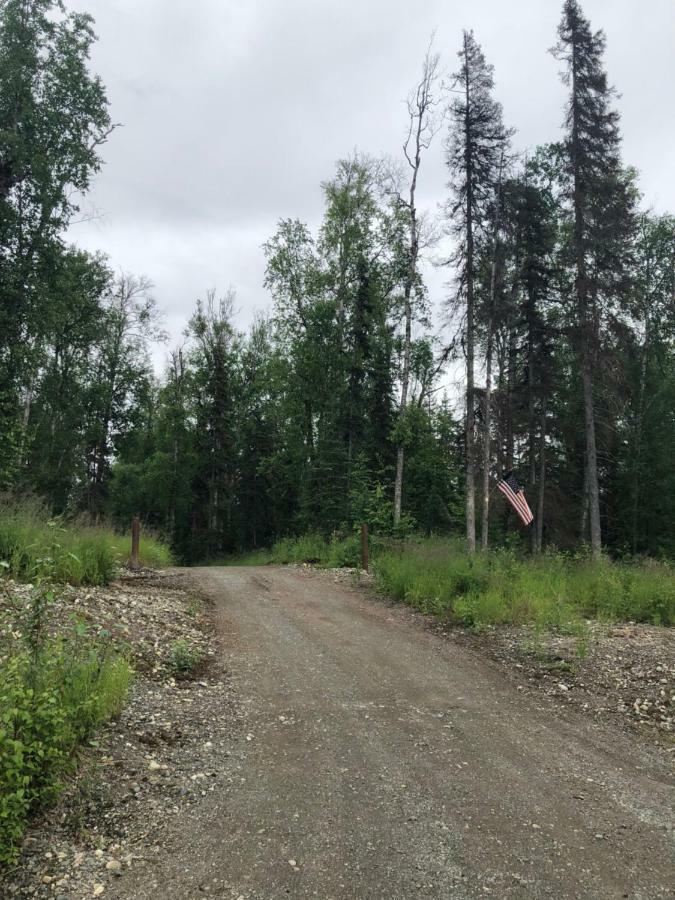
(153, 552)
(184, 658)
(54, 692)
(341, 551)
(344, 552)
(649, 596)
(489, 607)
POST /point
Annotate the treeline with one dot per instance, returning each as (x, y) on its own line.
(335, 408)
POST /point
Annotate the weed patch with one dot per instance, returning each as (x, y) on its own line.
(33, 547)
(551, 591)
(184, 658)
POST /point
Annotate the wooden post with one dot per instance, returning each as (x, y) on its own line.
(364, 547)
(135, 541)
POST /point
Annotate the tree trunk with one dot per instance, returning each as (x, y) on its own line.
(638, 437)
(487, 415)
(583, 525)
(405, 382)
(485, 524)
(501, 391)
(591, 462)
(309, 429)
(510, 379)
(531, 417)
(539, 521)
(585, 327)
(470, 353)
(419, 111)
(25, 422)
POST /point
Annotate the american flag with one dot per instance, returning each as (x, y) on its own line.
(514, 494)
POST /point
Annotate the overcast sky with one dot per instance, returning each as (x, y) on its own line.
(234, 111)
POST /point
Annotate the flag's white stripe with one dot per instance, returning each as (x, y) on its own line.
(511, 497)
(528, 513)
(521, 508)
(516, 499)
(522, 503)
(521, 496)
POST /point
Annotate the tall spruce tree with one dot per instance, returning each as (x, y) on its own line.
(474, 149)
(531, 228)
(645, 519)
(216, 379)
(601, 211)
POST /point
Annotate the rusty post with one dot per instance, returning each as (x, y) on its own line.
(135, 541)
(364, 547)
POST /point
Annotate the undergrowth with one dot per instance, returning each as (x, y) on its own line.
(338, 551)
(32, 545)
(56, 687)
(500, 587)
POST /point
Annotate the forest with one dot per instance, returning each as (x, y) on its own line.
(338, 406)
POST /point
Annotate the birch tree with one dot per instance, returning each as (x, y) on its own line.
(53, 120)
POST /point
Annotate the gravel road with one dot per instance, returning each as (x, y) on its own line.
(380, 760)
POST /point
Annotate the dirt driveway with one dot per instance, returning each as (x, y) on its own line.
(379, 760)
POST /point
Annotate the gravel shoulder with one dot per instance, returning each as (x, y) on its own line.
(337, 746)
(625, 674)
(158, 761)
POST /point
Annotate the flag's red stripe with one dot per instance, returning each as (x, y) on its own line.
(518, 502)
(528, 513)
(515, 499)
(511, 497)
(522, 503)
(521, 495)
(519, 512)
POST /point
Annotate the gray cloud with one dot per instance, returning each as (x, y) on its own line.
(234, 111)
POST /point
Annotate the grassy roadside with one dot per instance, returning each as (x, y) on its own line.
(33, 546)
(59, 680)
(500, 587)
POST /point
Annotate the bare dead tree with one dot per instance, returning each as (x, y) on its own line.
(422, 126)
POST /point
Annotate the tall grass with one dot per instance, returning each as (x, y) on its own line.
(437, 576)
(33, 546)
